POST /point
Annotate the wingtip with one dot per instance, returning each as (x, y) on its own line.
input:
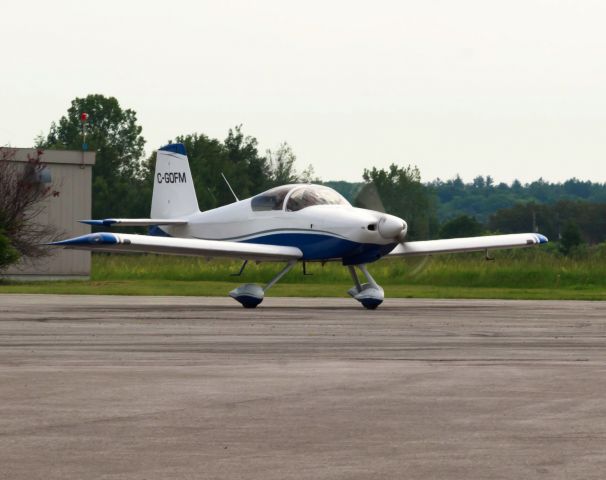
(102, 238)
(542, 238)
(107, 222)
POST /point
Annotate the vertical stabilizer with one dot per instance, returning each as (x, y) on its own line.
(174, 194)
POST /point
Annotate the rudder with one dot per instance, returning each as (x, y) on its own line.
(174, 194)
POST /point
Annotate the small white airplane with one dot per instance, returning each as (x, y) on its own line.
(291, 223)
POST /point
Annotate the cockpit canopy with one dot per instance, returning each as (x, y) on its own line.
(310, 195)
(271, 200)
(299, 197)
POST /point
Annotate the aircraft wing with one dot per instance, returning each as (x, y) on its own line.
(134, 222)
(468, 244)
(119, 242)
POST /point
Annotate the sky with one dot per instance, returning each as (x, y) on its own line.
(511, 89)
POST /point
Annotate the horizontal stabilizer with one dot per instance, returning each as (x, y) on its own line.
(121, 242)
(134, 222)
(468, 244)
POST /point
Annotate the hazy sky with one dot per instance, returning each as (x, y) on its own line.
(514, 89)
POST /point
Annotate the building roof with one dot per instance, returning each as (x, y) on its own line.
(67, 157)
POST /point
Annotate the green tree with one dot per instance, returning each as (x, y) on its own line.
(206, 161)
(118, 175)
(347, 189)
(571, 238)
(552, 219)
(402, 194)
(461, 226)
(282, 164)
(237, 157)
(248, 170)
(283, 170)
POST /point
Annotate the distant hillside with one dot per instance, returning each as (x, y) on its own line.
(482, 197)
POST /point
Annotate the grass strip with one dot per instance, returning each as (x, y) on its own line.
(214, 288)
(516, 274)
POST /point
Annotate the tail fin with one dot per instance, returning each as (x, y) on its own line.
(174, 194)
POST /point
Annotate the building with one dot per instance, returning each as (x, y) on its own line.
(70, 173)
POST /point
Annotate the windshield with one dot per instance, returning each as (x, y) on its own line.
(313, 195)
(271, 200)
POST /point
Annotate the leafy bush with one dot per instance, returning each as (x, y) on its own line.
(8, 255)
(22, 195)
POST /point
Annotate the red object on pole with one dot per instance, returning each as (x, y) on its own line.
(83, 117)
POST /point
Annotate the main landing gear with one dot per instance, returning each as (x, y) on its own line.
(369, 294)
(250, 294)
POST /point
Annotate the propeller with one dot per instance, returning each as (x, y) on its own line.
(389, 226)
(368, 197)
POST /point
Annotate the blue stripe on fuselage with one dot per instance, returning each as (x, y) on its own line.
(324, 247)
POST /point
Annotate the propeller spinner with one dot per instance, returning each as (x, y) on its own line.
(392, 227)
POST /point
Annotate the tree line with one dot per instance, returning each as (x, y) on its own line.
(454, 208)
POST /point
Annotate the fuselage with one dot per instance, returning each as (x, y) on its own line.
(315, 219)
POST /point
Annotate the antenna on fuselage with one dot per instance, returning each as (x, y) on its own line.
(230, 189)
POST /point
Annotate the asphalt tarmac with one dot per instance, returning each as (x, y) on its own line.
(173, 387)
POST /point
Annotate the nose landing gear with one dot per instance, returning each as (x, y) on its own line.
(369, 294)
